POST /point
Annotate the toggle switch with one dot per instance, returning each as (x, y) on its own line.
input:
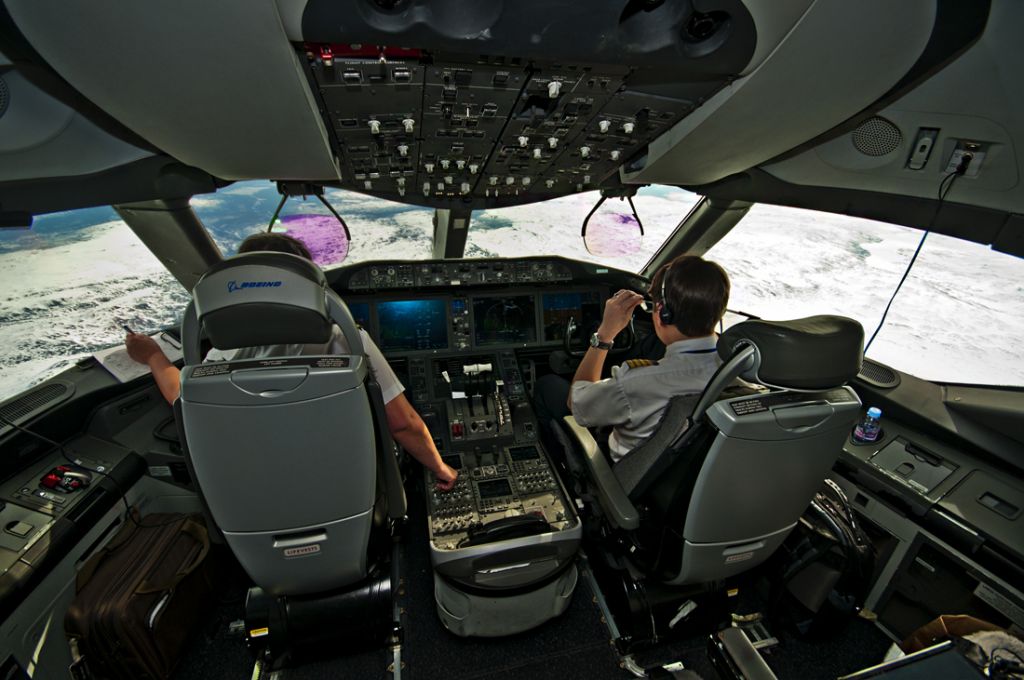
(604, 125)
(584, 151)
(552, 142)
(409, 124)
(473, 168)
(537, 153)
(403, 150)
(523, 140)
(554, 87)
(628, 128)
(614, 155)
(375, 127)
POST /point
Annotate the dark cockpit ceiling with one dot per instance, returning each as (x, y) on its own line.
(471, 105)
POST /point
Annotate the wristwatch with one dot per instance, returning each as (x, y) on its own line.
(599, 344)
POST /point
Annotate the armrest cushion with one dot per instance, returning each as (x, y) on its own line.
(610, 494)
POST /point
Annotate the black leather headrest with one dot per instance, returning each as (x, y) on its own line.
(816, 353)
(263, 298)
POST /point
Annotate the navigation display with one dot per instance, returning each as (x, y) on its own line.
(412, 324)
(361, 313)
(584, 308)
(501, 320)
(494, 488)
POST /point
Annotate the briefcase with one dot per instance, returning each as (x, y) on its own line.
(138, 598)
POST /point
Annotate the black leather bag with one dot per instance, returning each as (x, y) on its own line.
(139, 597)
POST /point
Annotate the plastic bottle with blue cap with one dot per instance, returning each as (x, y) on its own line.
(870, 427)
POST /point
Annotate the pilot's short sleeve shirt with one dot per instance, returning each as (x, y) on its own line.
(638, 392)
(390, 386)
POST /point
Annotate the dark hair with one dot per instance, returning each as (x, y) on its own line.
(278, 243)
(696, 290)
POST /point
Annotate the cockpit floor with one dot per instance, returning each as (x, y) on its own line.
(575, 645)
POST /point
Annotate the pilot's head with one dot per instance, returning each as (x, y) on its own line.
(691, 295)
(278, 243)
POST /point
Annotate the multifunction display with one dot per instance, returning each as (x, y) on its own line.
(504, 320)
(583, 308)
(407, 325)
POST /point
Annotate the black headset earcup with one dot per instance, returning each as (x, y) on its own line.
(665, 314)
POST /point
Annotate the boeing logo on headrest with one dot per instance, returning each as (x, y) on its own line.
(233, 286)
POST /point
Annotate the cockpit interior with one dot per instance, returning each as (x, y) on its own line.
(475, 183)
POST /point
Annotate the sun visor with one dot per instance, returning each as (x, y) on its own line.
(263, 299)
(815, 353)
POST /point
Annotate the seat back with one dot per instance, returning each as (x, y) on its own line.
(740, 471)
(293, 461)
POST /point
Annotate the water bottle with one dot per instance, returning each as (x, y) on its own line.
(869, 427)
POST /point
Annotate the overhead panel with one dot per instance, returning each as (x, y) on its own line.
(444, 130)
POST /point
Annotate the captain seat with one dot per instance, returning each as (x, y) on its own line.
(724, 479)
(291, 454)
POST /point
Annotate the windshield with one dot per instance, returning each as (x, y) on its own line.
(70, 284)
(380, 229)
(959, 317)
(553, 227)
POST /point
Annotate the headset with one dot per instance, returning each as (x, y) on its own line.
(666, 314)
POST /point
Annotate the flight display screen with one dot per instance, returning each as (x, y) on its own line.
(504, 320)
(361, 313)
(494, 488)
(407, 325)
(557, 308)
(521, 453)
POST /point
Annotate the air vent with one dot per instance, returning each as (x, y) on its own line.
(876, 137)
(878, 375)
(36, 401)
(5, 96)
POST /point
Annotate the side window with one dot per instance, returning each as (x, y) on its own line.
(70, 283)
(959, 317)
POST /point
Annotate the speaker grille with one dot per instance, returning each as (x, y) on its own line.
(876, 137)
(878, 375)
(35, 401)
(5, 96)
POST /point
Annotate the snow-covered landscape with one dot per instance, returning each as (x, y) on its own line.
(71, 282)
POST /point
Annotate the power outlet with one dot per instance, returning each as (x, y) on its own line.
(976, 151)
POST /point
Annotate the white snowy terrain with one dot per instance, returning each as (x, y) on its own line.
(70, 283)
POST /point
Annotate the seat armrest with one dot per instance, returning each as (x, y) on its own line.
(613, 499)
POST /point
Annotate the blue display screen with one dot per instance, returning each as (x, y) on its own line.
(361, 313)
(407, 325)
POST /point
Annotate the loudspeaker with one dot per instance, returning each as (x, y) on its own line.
(876, 137)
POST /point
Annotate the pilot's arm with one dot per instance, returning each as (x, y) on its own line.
(144, 350)
(618, 310)
(411, 433)
(407, 428)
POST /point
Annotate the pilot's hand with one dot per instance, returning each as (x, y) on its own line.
(141, 348)
(446, 477)
(618, 310)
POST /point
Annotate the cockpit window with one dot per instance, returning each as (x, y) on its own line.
(959, 317)
(69, 284)
(553, 227)
(380, 229)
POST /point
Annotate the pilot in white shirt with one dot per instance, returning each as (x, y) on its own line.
(690, 295)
